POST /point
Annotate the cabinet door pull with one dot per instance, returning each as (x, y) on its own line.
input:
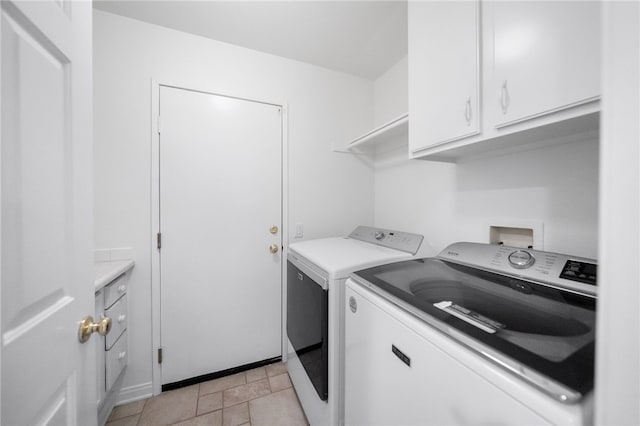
(504, 97)
(467, 111)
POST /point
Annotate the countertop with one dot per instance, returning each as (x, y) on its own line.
(105, 272)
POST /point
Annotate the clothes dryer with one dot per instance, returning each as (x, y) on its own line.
(316, 274)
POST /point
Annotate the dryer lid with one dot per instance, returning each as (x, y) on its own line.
(338, 257)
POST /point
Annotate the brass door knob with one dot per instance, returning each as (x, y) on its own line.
(87, 327)
(273, 248)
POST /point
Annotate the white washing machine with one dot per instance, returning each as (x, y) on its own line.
(480, 334)
(316, 274)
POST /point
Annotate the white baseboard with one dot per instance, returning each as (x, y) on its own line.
(135, 393)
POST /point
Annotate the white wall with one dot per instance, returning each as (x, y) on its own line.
(330, 193)
(555, 185)
(391, 93)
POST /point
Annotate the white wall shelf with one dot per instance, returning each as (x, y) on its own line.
(395, 129)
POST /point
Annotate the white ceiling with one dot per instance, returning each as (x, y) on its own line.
(363, 38)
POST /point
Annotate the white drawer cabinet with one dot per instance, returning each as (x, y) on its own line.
(444, 95)
(546, 57)
(114, 290)
(112, 352)
(118, 314)
(116, 360)
(111, 301)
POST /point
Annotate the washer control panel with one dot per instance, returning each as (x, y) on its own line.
(580, 271)
(555, 269)
(403, 241)
(521, 259)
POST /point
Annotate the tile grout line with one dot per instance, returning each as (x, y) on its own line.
(249, 402)
(142, 411)
(125, 417)
(197, 404)
(249, 410)
(270, 393)
(199, 393)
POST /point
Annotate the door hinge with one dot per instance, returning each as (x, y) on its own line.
(159, 240)
(159, 355)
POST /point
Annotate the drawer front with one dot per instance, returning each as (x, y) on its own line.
(115, 290)
(116, 360)
(118, 315)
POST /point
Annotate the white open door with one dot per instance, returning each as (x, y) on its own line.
(220, 218)
(48, 376)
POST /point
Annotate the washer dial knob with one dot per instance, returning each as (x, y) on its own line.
(521, 259)
(379, 235)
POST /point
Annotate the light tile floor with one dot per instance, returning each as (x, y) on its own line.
(259, 397)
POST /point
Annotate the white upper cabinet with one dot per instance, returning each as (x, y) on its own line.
(489, 75)
(546, 57)
(444, 95)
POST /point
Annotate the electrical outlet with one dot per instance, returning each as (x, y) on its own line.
(299, 230)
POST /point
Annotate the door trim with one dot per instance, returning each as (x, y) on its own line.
(1, 222)
(205, 87)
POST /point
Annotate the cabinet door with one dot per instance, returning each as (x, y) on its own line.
(546, 57)
(443, 72)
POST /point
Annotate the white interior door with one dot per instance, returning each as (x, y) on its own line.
(48, 376)
(220, 196)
